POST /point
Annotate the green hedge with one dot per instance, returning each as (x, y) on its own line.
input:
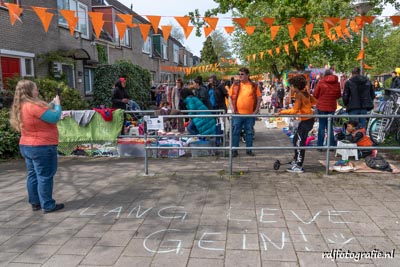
(8, 137)
(137, 85)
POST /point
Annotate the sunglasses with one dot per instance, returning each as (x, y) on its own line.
(241, 74)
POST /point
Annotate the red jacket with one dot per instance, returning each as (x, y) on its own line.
(327, 92)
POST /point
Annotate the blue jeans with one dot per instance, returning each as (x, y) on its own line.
(237, 124)
(362, 121)
(323, 125)
(41, 164)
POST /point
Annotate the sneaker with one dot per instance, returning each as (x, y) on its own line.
(57, 207)
(293, 162)
(295, 168)
(250, 153)
(36, 207)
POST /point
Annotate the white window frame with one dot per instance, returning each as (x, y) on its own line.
(147, 45)
(13, 2)
(91, 85)
(24, 65)
(22, 56)
(176, 54)
(184, 60)
(81, 12)
(164, 48)
(125, 41)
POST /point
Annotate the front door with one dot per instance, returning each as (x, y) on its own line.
(10, 66)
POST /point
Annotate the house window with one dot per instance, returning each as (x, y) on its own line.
(125, 41)
(27, 67)
(176, 54)
(165, 50)
(184, 60)
(8, 1)
(89, 80)
(147, 46)
(81, 13)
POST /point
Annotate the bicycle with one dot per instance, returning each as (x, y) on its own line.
(380, 128)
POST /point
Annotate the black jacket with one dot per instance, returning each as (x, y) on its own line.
(395, 82)
(202, 94)
(358, 93)
(220, 94)
(118, 94)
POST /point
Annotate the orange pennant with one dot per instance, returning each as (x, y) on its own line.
(339, 32)
(360, 55)
(183, 21)
(274, 31)
(254, 57)
(270, 53)
(277, 50)
(250, 29)
(14, 12)
(44, 17)
(286, 46)
(343, 24)
(295, 43)
(309, 29)
(317, 38)
(359, 22)
(241, 21)
(269, 21)
(346, 32)
(366, 39)
(69, 16)
(331, 21)
(144, 30)
(166, 29)
(97, 22)
(121, 28)
(155, 21)
(229, 29)
(395, 20)
(368, 19)
(306, 42)
(297, 24)
(207, 31)
(127, 19)
(248, 58)
(188, 31)
(292, 31)
(367, 67)
(262, 55)
(327, 30)
(212, 22)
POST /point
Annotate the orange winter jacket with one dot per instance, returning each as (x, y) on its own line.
(302, 105)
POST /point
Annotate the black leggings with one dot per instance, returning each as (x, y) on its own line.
(300, 138)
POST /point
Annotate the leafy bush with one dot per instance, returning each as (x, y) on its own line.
(137, 85)
(8, 137)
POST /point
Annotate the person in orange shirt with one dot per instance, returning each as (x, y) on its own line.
(37, 122)
(245, 98)
(302, 106)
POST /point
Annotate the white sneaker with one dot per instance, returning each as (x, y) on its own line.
(293, 162)
(295, 168)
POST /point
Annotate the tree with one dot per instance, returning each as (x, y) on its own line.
(221, 44)
(208, 55)
(177, 33)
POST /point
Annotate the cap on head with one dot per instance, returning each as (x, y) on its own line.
(122, 79)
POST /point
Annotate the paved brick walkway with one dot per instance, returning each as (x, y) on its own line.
(191, 213)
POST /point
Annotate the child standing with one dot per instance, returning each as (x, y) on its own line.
(302, 106)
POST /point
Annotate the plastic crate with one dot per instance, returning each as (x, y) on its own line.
(165, 153)
(201, 152)
(131, 147)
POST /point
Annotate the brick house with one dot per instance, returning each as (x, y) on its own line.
(23, 45)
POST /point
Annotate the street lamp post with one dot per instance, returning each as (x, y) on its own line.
(362, 7)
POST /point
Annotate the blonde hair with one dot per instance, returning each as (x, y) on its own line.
(23, 93)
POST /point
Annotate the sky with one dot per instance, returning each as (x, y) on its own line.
(170, 8)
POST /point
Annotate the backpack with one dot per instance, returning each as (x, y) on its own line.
(378, 163)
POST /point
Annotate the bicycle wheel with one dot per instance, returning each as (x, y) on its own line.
(377, 130)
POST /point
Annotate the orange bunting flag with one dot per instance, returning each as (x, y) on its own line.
(254, 57)
(14, 12)
(269, 21)
(44, 17)
(366, 39)
(97, 22)
(367, 67)
(317, 38)
(155, 21)
(339, 32)
(295, 43)
(188, 31)
(346, 32)
(292, 31)
(212, 22)
(309, 29)
(183, 21)
(286, 46)
(395, 20)
(241, 21)
(274, 31)
(262, 55)
(297, 24)
(360, 55)
(69, 16)
(250, 29)
(331, 21)
(229, 29)
(166, 29)
(144, 30)
(121, 28)
(207, 31)
(354, 27)
(277, 50)
(248, 58)
(270, 53)
(327, 30)
(368, 19)
(306, 42)
(359, 22)
(343, 24)
(127, 19)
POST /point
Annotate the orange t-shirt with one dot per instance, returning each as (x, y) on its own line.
(245, 101)
(36, 132)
